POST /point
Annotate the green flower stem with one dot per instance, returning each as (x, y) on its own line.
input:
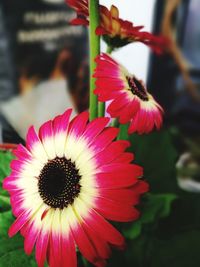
(109, 49)
(123, 132)
(101, 109)
(94, 51)
(115, 123)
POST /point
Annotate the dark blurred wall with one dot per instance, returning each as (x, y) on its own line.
(165, 79)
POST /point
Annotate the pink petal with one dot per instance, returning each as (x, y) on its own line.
(95, 127)
(61, 122)
(46, 130)
(116, 105)
(104, 229)
(104, 139)
(111, 152)
(68, 251)
(116, 211)
(22, 153)
(41, 248)
(100, 244)
(19, 223)
(118, 179)
(106, 83)
(124, 158)
(35, 146)
(130, 169)
(55, 250)
(31, 235)
(117, 195)
(129, 111)
(78, 124)
(85, 245)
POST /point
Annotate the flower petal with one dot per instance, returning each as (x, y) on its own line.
(35, 146)
(60, 127)
(47, 138)
(116, 211)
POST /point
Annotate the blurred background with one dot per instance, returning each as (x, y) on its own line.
(43, 64)
(44, 70)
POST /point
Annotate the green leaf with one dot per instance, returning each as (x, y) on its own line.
(153, 208)
(12, 249)
(157, 206)
(10, 244)
(6, 219)
(157, 155)
(5, 159)
(4, 203)
(17, 258)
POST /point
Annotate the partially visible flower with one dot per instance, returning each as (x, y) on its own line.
(81, 8)
(130, 100)
(116, 31)
(64, 185)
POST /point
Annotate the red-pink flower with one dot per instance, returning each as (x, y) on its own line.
(81, 8)
(64, 185)
(116, 31)
(130, 100)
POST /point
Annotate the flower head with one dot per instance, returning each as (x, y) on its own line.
(130, 100)
(64, 185)
(116, 31)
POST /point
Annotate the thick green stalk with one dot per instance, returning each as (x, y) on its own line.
(123, 132)
(94, 51)
(101, 109)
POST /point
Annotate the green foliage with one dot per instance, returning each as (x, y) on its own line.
(153, 207)
(11, 249)
(5, 203)
(158, 156)
(12, 253)
(6, 219)
(5, 158)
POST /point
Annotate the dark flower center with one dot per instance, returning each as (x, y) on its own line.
(137, 88)
(59, 183)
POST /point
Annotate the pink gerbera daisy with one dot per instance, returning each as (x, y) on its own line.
(64, 185)
(130, 100)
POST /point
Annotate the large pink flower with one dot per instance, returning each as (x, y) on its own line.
(130, 100)
(64, 185)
